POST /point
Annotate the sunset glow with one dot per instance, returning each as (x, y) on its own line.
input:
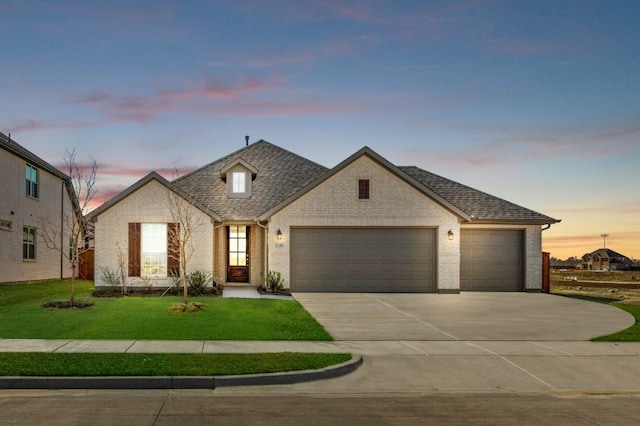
(534, 103)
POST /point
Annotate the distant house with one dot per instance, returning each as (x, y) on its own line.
(606, 259)
(31, 190)
(365, 225)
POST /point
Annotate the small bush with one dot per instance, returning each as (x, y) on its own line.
(110, 276)
(274, 281)
(198, 281)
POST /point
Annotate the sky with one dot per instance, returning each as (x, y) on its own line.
(536, 102)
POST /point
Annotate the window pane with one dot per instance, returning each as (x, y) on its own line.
(238, 182)
(154, 249)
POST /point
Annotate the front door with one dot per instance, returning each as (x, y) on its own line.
(238, 254)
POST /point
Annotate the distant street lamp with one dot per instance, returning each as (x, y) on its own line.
(604, 240)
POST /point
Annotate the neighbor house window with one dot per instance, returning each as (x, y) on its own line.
(5, 224)
(239, 186)
(31, 186)
(154, 249)
(363, 189)
(28, 243)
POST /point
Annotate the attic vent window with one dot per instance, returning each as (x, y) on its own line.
(363, 189)
(239, 185)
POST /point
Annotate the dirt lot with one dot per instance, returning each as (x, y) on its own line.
(619, 286)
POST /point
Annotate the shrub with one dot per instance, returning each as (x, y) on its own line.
(198, 281)
(110, 276)
(274, 281)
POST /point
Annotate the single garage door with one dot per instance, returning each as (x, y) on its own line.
(491, 260)
(363, 260)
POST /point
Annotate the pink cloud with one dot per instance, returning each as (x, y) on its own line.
(30, 124)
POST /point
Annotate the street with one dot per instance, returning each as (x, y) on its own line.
(266, 407)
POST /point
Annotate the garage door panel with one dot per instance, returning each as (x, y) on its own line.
(359, 259)
(491, 260)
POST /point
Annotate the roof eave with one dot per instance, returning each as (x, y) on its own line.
(366, 151)
(92, 217)
(541, 221)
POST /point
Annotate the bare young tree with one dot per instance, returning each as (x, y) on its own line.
(71, 229)
(187, 218)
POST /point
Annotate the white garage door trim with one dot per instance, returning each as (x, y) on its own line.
(363, 259)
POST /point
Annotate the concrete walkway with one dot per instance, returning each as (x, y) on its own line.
(363, 347)
(466, 316)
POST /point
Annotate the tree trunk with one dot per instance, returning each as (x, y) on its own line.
(73, 283)
(185, 288)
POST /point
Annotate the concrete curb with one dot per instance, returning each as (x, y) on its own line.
(180, 382)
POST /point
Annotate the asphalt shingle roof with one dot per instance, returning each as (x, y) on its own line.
(17, 149)
(281, 174)
(480, 205)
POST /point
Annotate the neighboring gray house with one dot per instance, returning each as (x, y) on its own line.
(364, 225)
(606, 259)
(30, 190)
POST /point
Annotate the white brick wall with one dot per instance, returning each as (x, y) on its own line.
(392, 203)
(149, 204)
(52, 204)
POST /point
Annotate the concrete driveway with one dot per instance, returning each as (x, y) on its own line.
(466, 316)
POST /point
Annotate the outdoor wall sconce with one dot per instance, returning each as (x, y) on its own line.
(279, 235)
(450, 234)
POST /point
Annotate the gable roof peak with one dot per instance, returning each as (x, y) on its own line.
(151, 176)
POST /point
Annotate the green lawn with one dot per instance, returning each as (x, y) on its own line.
(147, 318)
(82, 364)
(631, 334)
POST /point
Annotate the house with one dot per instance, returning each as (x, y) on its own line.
(605, 259)
(363, 225)
(32, 193)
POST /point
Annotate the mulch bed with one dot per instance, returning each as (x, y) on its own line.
(284, 292)
(66, 304)
(154, 292)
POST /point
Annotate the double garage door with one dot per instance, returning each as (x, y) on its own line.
(363, 259)
(491, 260)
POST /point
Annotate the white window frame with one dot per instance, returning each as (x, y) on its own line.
(238, 182)
(153, 250)
(26, 243)
(31, 181)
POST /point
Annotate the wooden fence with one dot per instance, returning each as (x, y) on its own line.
(546, 271)
(85, 267)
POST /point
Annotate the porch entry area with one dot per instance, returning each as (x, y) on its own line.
(238, 253)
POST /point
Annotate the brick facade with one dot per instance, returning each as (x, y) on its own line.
(149, 204)
(52, 207)
(392, 203)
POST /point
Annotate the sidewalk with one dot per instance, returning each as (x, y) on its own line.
(366, 348)
(376, 366)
